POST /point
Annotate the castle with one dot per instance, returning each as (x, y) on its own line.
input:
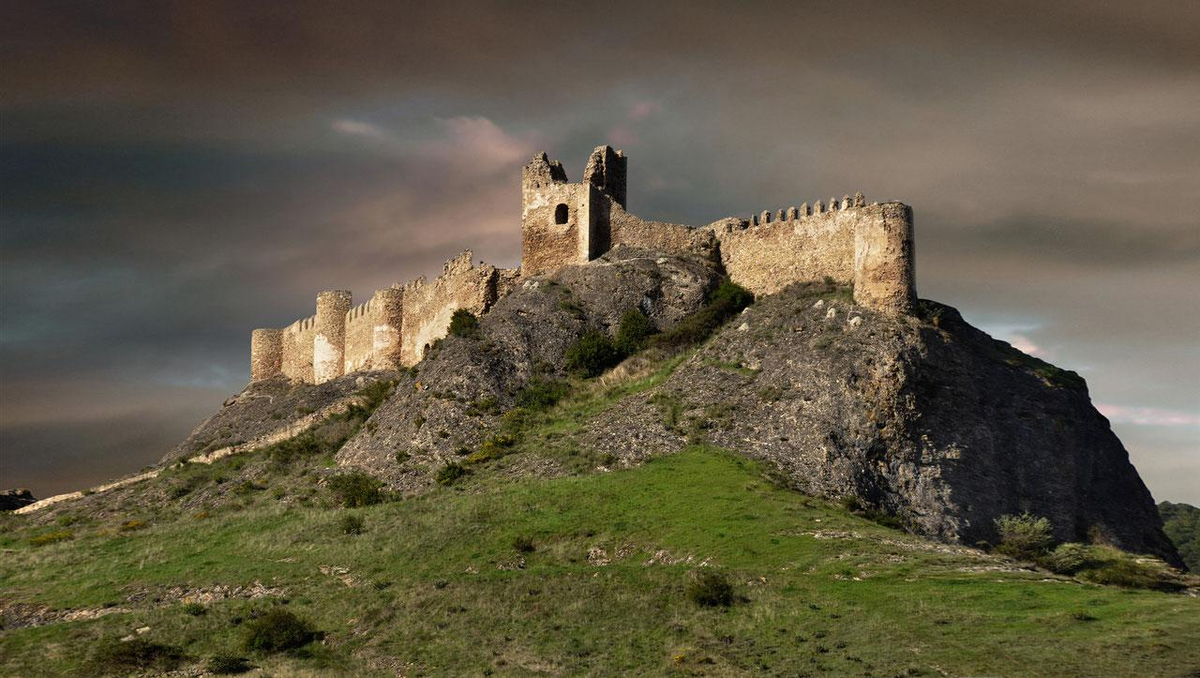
(847, 240)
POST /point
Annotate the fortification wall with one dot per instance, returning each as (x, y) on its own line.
(627, 229)
(360, 337)
(428, 306)
(297, 345)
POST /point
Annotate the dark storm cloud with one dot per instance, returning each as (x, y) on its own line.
(174, 174)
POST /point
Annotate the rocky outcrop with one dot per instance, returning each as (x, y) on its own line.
(922, 416)
(460, 389)
(11, 500)
(269, 406)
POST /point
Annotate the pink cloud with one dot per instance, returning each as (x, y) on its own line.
(644, 109)
(1148, 416)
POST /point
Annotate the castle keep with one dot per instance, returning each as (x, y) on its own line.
(847, 240)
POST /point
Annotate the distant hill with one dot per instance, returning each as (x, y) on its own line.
(1182, 524)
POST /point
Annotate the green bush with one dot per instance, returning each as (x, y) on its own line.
(227, 664)
(194, 609)
(523, 544)
(541, 394)
(635, 327)
(1067, 558)
(276, 631)
(116, 657)
(709, 588)
(1024, 536)
(450, 473)
(591, 354)
(464, 324)
(726, 301)
(356, 489)
(351, 524)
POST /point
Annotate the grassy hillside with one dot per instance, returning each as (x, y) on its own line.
(505, 574)
(1182, 524)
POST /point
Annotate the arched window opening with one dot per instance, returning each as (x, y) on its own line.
(560, 214)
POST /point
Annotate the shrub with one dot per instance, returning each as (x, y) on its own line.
(524, 544)
(1067, 558)
(541, 394)
(356, 489)
(464, 324)
(276, 631)
(450, 473)
(726, 301)
(227, 664)
(493, 448)
(194, 609)
(51, 537)
(710, 589)
(1025, 536)
(351, 524)
(591, 354)
(116, 657)
(635, 327)
(1113, 567)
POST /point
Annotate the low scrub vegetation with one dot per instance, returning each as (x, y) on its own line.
(115, 657)
(726, 301)
(356, 489)
(1024, 536)
(709, 588)
(351, 524)
(277, 630)
(450, 473)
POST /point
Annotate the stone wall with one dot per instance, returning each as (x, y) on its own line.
(360, 337)
(428, 306)
(563, 223)
(767, 253)
(297, 362)
(627, 229)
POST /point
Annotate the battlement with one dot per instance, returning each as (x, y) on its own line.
(869, 246)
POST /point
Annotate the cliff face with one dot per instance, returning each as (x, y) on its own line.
(922, 416)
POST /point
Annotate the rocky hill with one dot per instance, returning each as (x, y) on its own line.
(599, 476)
(923, 417)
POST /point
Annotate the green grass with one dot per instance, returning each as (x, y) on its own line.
(439, 584)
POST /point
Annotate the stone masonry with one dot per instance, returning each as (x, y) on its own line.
(847, 240)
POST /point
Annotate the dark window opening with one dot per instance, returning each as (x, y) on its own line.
(560, 214)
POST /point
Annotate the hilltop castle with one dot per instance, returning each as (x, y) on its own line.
(564, 223)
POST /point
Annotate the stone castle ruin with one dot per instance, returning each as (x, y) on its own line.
(869, 246)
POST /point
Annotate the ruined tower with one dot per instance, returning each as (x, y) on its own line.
(567, 223)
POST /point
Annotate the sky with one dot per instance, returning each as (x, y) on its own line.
(176, 174)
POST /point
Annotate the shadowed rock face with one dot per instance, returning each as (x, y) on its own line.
(10, 500)
(922, 416)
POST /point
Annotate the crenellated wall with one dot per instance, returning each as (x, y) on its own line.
(428, 306)
(845, 239)
(297, 347)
